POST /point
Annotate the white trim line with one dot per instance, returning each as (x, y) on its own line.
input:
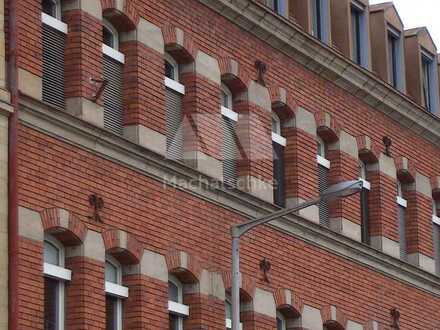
(401, 201)
(179, 309)
(116, 290)
(228, 324)
(436, 219)
(228, 113)
(57, 272)
(322, 161)
(365, 184)
(279, 139)
(53, 22)
(175, 85)
(113, 53)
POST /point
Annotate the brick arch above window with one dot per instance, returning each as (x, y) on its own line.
(283, 103)
(184, 266)
(333, 318)
(63, 225)
(179, 44)
(122, 246)
(247, 286)
(369, 151)
(327, 126)
(121, 13)
(288, 303)
(232, 75)
(406, 169)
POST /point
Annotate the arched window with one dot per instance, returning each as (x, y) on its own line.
(228, 311)
(54, 277)
(401, 221)
(174, 92)
(323, 183)
(114, 293)
(229, 122)
(281, 321)
(112, 62)
(177, 310)
(278, 144)
(54, 33)
(52, 8)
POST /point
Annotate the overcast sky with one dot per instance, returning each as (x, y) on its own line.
(419, 13)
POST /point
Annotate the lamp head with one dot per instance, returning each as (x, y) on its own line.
(342, 190)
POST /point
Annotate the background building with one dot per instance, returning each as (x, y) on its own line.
(147, 128)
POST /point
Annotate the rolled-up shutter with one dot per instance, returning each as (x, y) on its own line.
(436, 239)
(173, 106)
(53, 66)
(402, 231)
(278, 174)
(113, 106)
(324, 213)
(229, 152)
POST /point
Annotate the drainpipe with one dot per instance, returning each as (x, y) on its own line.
(12, 169)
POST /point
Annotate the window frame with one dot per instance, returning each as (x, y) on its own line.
(228, 322)
(282, 318)
(430, 73)
(321, 153)
(58, 11)
(116, 290)
(112, 52)
(177, 308)
(225, 91)
(276, 130)
(359, 34)
(278, 6)
(174, 83)
(320, 20)
(399, 195)
(60, 274)
(394, 43)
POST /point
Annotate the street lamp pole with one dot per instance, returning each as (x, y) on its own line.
(340, 190)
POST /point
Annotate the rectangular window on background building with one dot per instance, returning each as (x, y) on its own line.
(393, 58)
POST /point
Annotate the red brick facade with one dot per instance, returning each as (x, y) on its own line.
(192, 231)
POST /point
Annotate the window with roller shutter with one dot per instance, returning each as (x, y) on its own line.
(436, 234)
(112, 65)
(323, 184)
(174, 92)
(278, 144)
(401, 221)
(364, 203)
(229, 123)
(53, 43)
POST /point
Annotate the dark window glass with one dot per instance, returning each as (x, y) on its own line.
(392, 58)
(278, 174)
(169, 70)
(364, 217)
(279, 324)
(173, 292)
(107, 37)
(317, 19)
(356, 34)
(111, 313)
(426, 73)
(436, 238)
(51, 304)
(49, 7)
(174, 322)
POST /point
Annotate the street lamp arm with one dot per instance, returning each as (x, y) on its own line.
(241, 229)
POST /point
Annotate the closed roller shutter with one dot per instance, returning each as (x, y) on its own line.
(173, 105)
(278, 174)
(113, 106)
(324, 213)
(436, 239)
(364, 217)
(53, 66)
(402, 232)
(229, 152)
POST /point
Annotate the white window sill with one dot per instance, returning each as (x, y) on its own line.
(116, 290)
(113, 53)
(53, 22)
(178, 309)
(228, 113)
(322, 161)
(436, 220)
(174, 85)
(365, 184)
(402, 201)
(229, 324)
(279, 139)
(57, 272)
